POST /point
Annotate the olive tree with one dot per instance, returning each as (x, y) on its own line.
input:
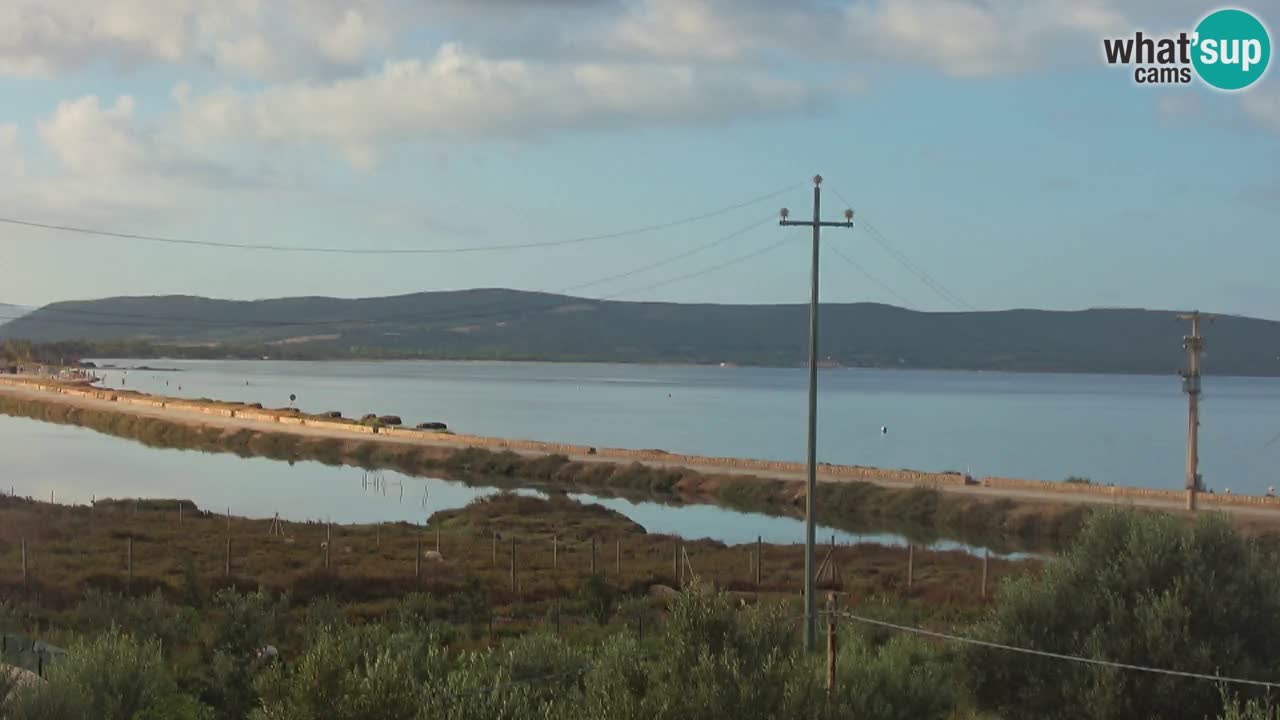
(1136, 588)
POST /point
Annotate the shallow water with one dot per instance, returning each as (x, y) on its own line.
(76, 465)
(1127, 430)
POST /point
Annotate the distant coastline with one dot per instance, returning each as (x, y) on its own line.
(517, 326)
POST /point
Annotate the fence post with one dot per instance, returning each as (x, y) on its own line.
(680, 566)
(495, 549)
(135, 509)
(759, 559)
(593, 556)
(911, 562)
(555, 552)
(437, 540)
(179, 512)
(985, 557)
(831, 643)
(226, 571)
(513, 564)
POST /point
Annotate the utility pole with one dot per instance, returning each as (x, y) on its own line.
(1194, 345)
(811, 483)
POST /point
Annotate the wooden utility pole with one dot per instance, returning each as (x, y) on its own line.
(811, 455)
(1194, 345)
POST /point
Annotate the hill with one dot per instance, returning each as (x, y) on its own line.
(507, 324)
(10, 312)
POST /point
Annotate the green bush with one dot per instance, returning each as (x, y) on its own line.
(1139, 589)
(111, 677)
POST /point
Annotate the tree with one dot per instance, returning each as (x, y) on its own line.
(1141, 589)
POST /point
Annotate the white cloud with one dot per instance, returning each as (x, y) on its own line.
(967, 38)
(259, 38)
(683, 29)
(40, 37)
(458, 94)
(107, 158)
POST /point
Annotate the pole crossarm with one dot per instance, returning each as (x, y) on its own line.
(810, 223)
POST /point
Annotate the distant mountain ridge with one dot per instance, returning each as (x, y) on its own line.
(519, 325)
(11, 312)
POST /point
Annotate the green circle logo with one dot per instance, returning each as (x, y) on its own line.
(1232, 49)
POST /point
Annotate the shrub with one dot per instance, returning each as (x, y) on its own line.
(112, 677)
(1140, 589)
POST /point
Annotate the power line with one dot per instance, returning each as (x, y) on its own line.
(1053, 655)
(867, 274)
(704, 271)
(143, 320)
(397, 251)
(920, 273)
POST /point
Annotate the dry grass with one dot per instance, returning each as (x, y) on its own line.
(71, 549)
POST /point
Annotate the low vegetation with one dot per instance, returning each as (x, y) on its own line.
(1134, 588)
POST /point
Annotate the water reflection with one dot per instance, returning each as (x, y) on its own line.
(77, 465)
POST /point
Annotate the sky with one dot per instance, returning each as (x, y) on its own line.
(992, 158)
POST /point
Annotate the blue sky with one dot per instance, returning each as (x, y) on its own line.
(985, 139)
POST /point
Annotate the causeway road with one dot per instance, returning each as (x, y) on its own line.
(1248, 513)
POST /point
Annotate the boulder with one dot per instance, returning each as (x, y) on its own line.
(390, 419)
(666, 592)
(432, 426)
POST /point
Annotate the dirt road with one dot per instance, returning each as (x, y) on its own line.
(1252, 513)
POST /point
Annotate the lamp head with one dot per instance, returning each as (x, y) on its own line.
(848, 215)
(784, 213)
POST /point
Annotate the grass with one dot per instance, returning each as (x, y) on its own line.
(72, 550)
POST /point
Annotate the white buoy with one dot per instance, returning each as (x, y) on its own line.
(884, 430)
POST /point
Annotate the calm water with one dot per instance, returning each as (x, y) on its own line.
(1127, 430)
(77, 465)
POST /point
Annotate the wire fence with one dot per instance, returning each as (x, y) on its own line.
(1052, 655)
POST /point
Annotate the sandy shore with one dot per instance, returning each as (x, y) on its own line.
(826, 474)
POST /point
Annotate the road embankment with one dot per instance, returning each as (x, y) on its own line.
(1041, 513)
